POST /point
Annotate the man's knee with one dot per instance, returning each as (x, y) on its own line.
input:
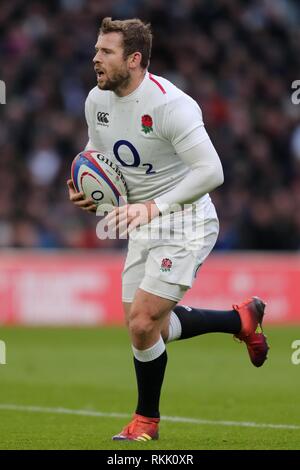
(140, 327)
(142, 320)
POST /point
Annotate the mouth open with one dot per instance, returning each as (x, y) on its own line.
(99, 74)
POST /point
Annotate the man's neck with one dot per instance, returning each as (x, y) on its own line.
(131, 85)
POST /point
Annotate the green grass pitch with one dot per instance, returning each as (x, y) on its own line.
(208, 378)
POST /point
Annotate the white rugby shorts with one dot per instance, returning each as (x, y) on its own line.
(165, 255)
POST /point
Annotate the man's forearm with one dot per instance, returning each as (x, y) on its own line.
(205, 174)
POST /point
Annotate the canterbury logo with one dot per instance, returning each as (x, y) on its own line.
(102, 118)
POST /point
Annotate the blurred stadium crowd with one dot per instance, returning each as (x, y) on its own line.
(237, 58)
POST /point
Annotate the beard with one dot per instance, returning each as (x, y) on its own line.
(116, 82)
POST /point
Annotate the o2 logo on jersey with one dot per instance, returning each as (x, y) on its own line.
(136, 158)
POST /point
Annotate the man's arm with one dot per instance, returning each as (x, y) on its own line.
(182, 125)
(205, 174)
(79, 199)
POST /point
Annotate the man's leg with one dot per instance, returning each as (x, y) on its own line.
(186, 322)
(190, 322)
(150, 358)
(242, 321)
(145, 318)
(126, 308)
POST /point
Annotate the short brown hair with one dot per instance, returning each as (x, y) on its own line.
(137, 36)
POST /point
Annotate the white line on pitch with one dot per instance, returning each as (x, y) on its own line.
(173, 419)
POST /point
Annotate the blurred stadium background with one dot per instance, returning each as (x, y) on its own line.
(238, 59)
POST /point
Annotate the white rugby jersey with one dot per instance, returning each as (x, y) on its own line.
(144, 133)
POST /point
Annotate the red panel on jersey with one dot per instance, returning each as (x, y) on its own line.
(157, 83)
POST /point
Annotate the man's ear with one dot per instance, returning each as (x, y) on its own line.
(134, 60)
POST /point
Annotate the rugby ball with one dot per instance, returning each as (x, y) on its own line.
(98, 178)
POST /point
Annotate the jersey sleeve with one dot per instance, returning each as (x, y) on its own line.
(183, 124)
(88, 116)
(205, 174)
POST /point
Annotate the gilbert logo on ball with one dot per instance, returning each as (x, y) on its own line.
(98, 178)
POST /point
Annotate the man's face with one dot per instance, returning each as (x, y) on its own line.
(109, 63)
